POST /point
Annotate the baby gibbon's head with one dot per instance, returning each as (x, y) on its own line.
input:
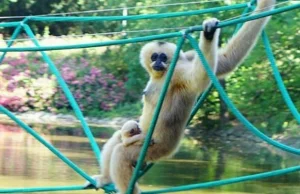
(130, 128)
(156, 57)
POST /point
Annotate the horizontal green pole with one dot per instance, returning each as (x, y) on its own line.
(249, 18)
(9, 24)
(41, 189)
(227, 181)
(152, 37)
(173, 189)
(134, 17)
(96, 44)
(47, 144)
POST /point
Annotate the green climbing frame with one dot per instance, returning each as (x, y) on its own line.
(182, 37)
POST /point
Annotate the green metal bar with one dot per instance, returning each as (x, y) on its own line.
(234, 110)
(135, 17)
(96, 44)
(249, 18)
(11, 40)
(69, 95)
(155, 116)
(200, 102)
(227, 181)
(153, 37)
(279, 81)
(148, 167)
(42, 189)
(9, 24)
(205, 94)
(48, 145)
(246, 10)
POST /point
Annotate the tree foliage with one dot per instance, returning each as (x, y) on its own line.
(251, 87)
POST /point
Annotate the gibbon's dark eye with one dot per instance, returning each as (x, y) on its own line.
(132, 131)
(154, 57)
(163, 57)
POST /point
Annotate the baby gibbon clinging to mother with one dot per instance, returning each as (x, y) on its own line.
(129, 134)
(188, 82)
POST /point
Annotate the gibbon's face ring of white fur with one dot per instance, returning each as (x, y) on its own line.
(156, 56)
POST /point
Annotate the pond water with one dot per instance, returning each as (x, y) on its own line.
(24, 162)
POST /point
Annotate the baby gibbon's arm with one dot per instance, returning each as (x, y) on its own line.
(136, 139)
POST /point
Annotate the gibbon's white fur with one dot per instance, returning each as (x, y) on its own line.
(130, 134)
(189, 80)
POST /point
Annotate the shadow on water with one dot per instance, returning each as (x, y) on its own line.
(26, 163)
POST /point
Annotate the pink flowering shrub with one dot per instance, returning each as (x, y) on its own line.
(27, 84)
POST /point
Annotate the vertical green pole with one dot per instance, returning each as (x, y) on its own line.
(68, 93)
(155, 117)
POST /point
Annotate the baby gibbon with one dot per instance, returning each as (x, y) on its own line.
(129, 134)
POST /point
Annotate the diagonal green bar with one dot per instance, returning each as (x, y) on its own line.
(11, 40)
(48, 145)
(135, 17)
(278, 78)
(153, 37)
(155, 116)
(246, 10)
(200, 102)
(234, 110)
(227, 181)
(69, 95)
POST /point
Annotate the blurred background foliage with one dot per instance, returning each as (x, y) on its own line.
(252, 87)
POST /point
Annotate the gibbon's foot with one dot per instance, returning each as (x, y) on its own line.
(209, 28)
(100, 182)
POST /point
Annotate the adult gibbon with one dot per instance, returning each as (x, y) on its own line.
(189, 81)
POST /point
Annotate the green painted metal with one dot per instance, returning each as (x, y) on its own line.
(68, 94)
(11, 40)
(227, 181)
(234, 110)
(155, 116)
(45, 143)
(153, 37)
(285, 95)
(136, 17)
(182, 35)
(9, 24)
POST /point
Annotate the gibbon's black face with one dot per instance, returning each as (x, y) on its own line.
(159, 61)
(134, 131)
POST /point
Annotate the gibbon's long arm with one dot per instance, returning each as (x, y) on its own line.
(242, 43)
(208, 43)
